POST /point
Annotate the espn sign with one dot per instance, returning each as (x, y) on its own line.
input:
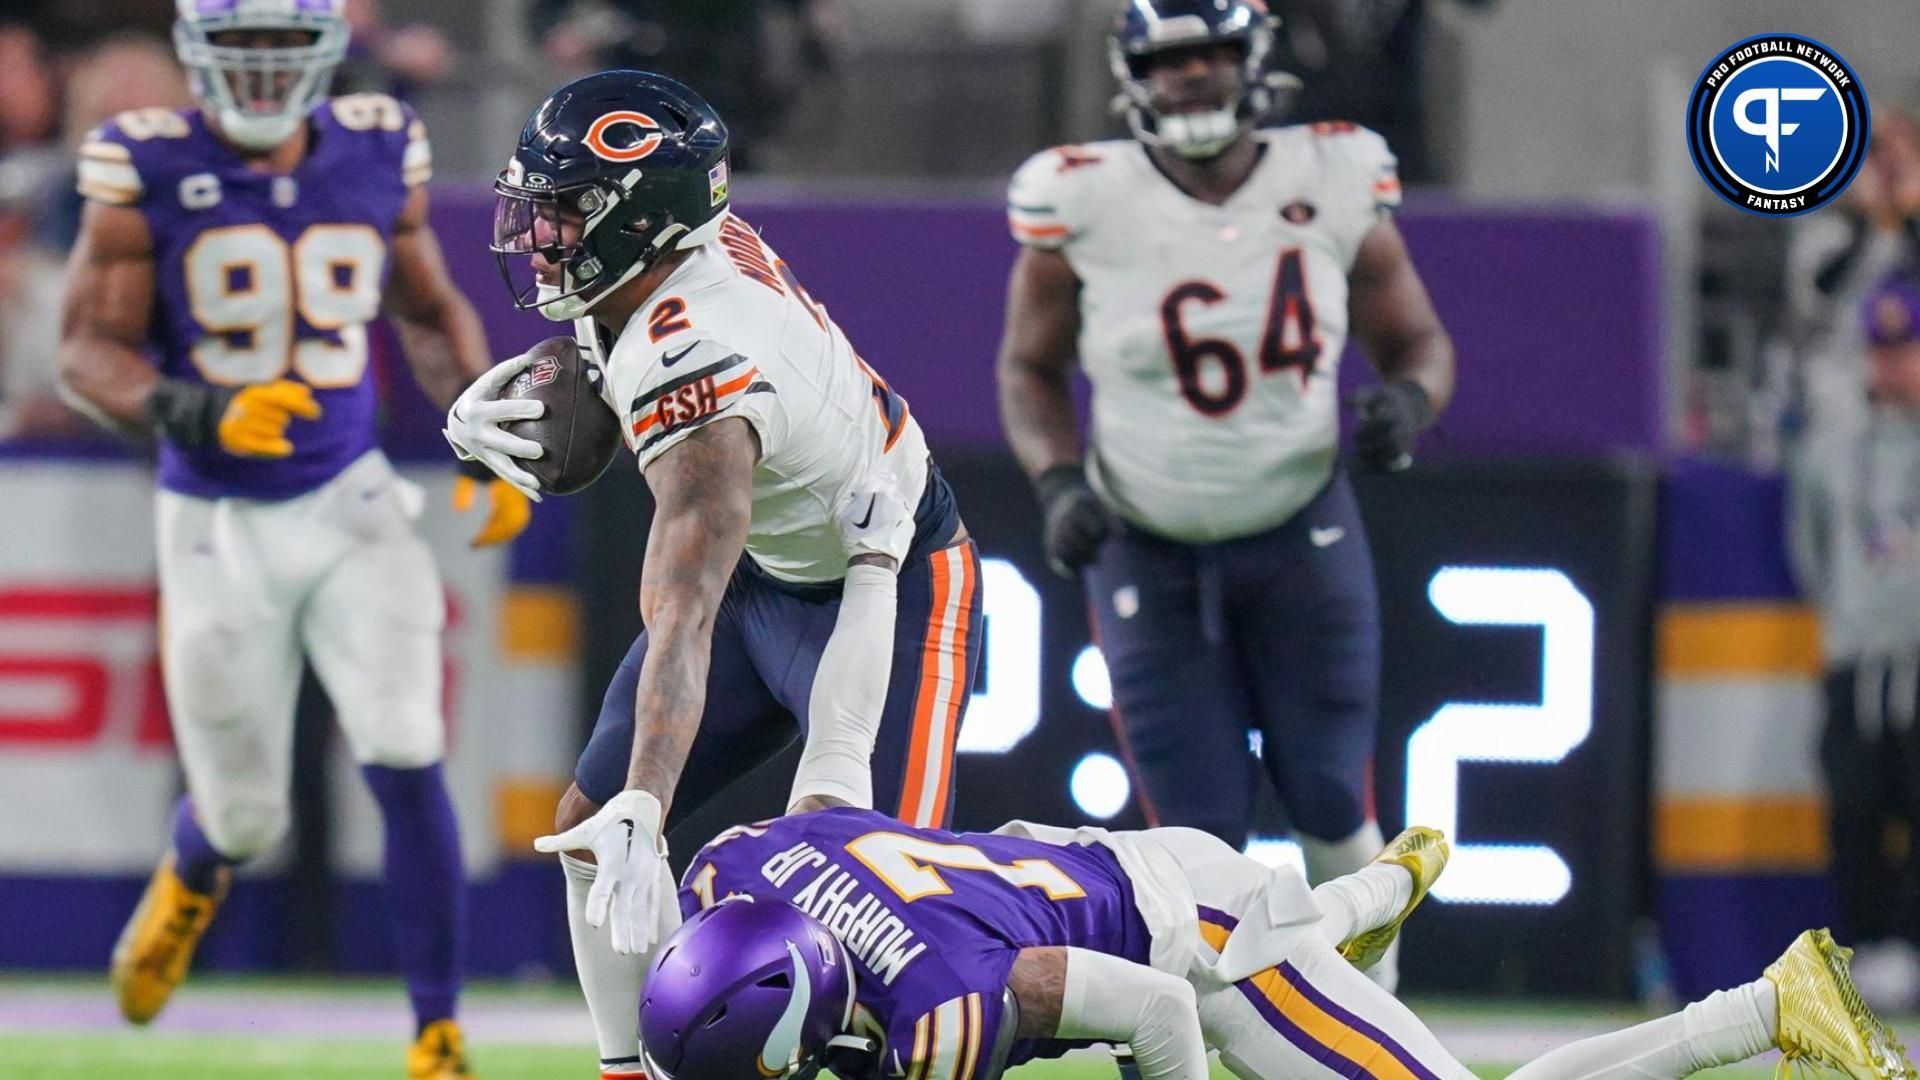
(78, 664)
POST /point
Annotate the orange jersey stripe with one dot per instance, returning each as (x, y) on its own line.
(957, 658)
(1038, 232)
(910, 798)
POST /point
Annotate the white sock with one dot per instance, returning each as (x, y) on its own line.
(1362, 900)
(1727, 1027)
(610, 981)
(1328, 860)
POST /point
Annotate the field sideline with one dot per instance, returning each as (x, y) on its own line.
(229, 1029)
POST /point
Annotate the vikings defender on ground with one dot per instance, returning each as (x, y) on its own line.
(248, 244)
(801, 530)
(1204, 274)
(846, 940)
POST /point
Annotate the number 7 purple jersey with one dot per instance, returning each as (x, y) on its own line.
(260, 276)
(932, 920)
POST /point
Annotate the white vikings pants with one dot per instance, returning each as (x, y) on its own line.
(1308, 1015)
(247, 587)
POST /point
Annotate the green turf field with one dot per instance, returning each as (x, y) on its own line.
(227, 1029)
(161, 1057)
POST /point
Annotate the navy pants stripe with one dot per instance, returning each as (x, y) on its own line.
(766, 646)
(1277, 632)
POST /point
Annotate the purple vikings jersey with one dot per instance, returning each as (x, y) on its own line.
(932, 920)
(260, 276)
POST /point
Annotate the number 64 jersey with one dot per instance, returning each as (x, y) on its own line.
(261, 276)
(1212, 334)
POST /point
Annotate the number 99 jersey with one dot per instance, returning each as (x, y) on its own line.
(261, 276)
(1212, 334)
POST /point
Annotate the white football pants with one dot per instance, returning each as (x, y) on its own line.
(246, 588)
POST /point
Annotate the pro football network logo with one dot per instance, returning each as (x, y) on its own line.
(1778, 124)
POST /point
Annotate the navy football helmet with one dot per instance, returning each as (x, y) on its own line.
(1147, 27)
(611, 172)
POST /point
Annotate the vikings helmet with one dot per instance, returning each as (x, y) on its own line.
(746, 988)
(1147, 27)
(612, 171)
(259, 96)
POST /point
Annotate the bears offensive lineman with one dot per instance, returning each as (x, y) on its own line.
(248, 243)
(1204, 275)
(845, 940)
(800, 532)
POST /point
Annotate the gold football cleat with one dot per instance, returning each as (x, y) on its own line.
(1423, 852)
(440, 1053)
(1822, 1019)
(154, 950)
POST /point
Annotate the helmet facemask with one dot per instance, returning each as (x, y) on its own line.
(596, 235)
(1197, 135)
(259, 95)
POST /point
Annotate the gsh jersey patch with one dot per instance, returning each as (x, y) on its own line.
(1778, 124)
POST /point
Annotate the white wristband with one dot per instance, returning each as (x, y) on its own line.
(1156, 1014)
(850, 692)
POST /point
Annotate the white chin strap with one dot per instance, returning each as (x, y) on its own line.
(1198, 135)
(258, 132)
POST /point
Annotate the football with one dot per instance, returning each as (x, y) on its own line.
(579, 433)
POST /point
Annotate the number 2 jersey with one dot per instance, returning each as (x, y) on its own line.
(932, 921)
(1212, 334)
(260, 276)
(731, 333)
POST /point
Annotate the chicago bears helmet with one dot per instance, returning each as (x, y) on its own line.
(746, 988)
(612, 171)
(1148, 27)
(259, 96)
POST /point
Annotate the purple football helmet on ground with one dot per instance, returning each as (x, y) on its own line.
(745, 988)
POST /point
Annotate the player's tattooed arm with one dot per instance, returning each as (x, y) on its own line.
(1037, 354)
(1039, 984)
(104, 319)
(1394, 318)
(444, 339)
(703, 495)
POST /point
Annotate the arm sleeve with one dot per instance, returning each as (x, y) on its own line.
(1156, 1014)
(663, 398)
(1041, 209)
(849, 692)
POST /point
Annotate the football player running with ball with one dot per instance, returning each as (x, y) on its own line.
(801, 531)
(843, 940)
(249, 243)
(1204, 275)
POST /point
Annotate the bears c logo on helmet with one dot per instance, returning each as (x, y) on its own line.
(596, 136)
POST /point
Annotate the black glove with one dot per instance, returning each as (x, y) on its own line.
(188, 413)
(1074, 524)
(1392, 416)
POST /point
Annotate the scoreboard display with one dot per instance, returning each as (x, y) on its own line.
(1516, 607)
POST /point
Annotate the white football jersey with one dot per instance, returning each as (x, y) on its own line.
(1212, 334)
(732, 333)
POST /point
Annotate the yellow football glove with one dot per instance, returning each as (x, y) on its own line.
(508, 511)
(255, 422)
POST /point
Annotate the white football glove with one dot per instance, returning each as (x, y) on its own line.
(874, 520)
(632, 864)
(474, 426)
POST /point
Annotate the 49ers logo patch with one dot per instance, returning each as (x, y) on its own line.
(623, 135)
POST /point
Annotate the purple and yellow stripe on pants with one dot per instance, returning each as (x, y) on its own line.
(1315, 1024)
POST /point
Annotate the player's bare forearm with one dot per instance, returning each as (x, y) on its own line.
(1393, 316)
(1039, 984)
(1037, 353)
(439, 329)
(703, 491)
(104, 316)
